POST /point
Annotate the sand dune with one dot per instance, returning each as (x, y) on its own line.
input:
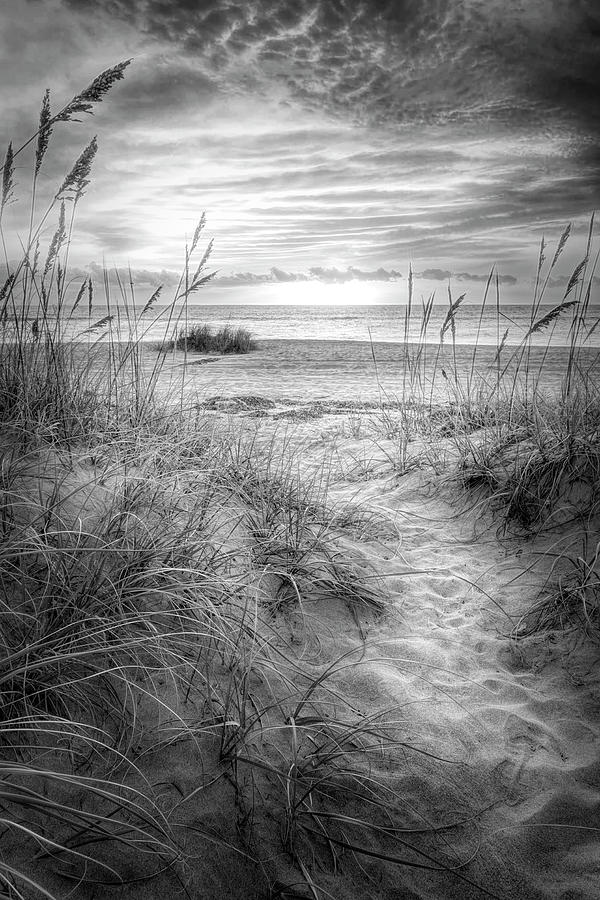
(512, 726)
(501, 736)
(494, 771)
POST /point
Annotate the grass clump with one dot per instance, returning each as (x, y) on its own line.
(570, 599)
(203, 339)
(523, 416)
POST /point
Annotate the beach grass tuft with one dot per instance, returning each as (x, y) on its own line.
(204, 339)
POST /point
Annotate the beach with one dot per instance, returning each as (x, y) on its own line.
(510, 724)
(380, 716)
(500, 732)
(312, 369)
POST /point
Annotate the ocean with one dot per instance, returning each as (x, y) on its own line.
(379, 323)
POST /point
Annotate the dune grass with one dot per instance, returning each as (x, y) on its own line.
(526, 443)
(527, 452)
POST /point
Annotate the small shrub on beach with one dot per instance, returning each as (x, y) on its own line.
(202, 339)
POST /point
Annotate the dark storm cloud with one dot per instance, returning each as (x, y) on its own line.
(389, 62)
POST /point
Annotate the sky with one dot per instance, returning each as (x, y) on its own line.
(326, 140)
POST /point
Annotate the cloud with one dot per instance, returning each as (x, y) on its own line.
(124, 275)
(280, 275)
(169, 279)
(561, 281)
(407, 61)
(334, 275)
(435, 274)
(469, 276)
(286, 121)
(447, 275)
(316, 273)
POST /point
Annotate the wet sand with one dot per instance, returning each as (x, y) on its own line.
(349, 370)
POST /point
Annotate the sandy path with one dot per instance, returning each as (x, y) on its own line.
(512, 729)
(517, 722)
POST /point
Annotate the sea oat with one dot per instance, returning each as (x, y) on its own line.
(44, 132)
(5, 293)
(152, 299)
(80, 293)
(451, 315)
(550, 317)
(57, 240)
(78, 179)
(8, 172)
(501, 347)
(574, 279)
(60, 280)
(542, 255)
(563, 240)
(36, 258)
(197, 283)
(197, 232)
(203, 261)
(82, 103)
(99, 324)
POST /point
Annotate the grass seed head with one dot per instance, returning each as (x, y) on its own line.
(8, 172)
(94, 93)
(44, 133)
(78, 178)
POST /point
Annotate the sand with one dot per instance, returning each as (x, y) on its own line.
(517, 720)
(501, 751)
(322, 370)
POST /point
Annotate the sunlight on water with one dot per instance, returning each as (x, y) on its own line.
(380, 323)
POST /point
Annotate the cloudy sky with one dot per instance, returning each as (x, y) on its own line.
(318, 135)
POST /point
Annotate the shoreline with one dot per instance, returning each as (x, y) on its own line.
(334, 370)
